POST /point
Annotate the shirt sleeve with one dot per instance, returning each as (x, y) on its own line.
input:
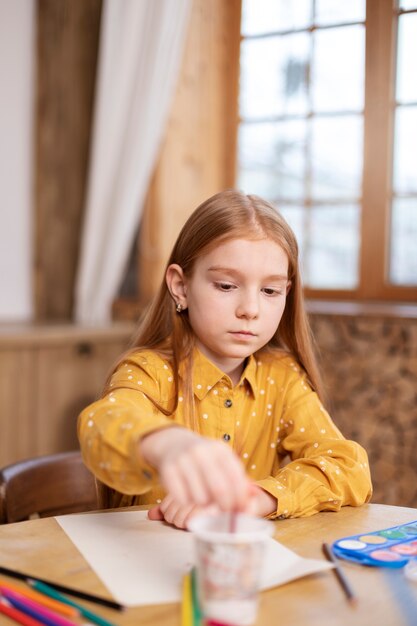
(325, 471)
(109, 430)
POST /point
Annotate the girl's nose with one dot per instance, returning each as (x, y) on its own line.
(248, 307)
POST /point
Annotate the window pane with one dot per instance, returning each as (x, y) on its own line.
(337, 157)
(331, 12)
(295, 216)
(408, 4)
(403, 266)
(407, 55)
(338, 69)
(272, 159)
(274, 74)
(331, 257)
(405, 149)
(266, 16)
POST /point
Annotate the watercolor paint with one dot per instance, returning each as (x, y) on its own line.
(385, 555)
(374, 539)
(409, 549)
(388, 547)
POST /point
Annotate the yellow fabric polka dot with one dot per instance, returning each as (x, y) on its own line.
(143, 401)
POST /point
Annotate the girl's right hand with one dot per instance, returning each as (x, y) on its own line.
(196, 470)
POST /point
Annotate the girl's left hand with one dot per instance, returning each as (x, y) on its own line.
(179, 514)
(260, 503)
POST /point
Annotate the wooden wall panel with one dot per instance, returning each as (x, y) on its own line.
(197, 157)
(70, 376)
(67, 44)
(48, 374)
(18, 394)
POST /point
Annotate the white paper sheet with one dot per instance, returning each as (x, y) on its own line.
(143, 562)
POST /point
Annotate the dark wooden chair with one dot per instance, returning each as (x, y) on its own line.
(46, 486)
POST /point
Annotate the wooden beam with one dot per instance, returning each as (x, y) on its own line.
(67, 44)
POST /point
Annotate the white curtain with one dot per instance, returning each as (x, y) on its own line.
(17, 88)
(141, 45)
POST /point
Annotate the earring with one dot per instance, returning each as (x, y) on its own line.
(178, 307)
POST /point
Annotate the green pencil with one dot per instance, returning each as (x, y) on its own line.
(197, 615)
(49, 591)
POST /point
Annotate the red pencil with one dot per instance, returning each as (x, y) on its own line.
(18, 616)
(35, 610)
(50, 603)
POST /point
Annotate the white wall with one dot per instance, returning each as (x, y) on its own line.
(17, 67)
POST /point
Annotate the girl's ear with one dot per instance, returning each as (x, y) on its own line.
(176, 283)
(288, 287)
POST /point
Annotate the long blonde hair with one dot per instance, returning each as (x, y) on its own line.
(226, 215)
(229, 215)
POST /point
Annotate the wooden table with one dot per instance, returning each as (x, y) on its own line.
(386, 597)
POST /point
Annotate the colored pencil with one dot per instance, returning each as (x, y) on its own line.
(18, 616)
(52, 593)
(63, 589)
(186, 605)
(197, 614)
(55, 605)
(36, 610)
(350, 595)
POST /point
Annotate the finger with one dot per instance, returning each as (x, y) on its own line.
(166, 503)
(155, 513)
(173, 481)
(193, 481)
(202, 464)
(186, 479)
(176, 514)
(183, 514)
(169, 509)
(235, 483)
(218, 467)
(212, 509)
(238, 482)
(251, 504)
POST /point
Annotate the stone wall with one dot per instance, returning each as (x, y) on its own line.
(369, 365)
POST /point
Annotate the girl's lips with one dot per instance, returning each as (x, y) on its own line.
(243, 333)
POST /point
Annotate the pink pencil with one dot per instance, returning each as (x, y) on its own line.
(50, 603)
(21, 602)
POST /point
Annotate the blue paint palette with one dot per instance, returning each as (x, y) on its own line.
(390, 547)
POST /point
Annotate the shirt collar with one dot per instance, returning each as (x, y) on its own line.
(206, 375)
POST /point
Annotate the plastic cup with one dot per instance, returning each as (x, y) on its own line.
(410, 570)
(229, 565)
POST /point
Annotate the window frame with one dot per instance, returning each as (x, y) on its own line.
(379, 112)
(380, 104)
(195, 144)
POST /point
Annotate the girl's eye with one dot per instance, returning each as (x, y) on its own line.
(224, 286)
(269, 291)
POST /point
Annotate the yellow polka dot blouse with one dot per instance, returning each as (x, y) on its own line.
(271, 418)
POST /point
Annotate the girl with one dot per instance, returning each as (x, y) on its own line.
(222, 384)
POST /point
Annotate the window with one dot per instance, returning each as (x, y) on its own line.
(329, 137)
(403, 254)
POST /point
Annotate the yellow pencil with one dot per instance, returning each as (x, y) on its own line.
(187, 602)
